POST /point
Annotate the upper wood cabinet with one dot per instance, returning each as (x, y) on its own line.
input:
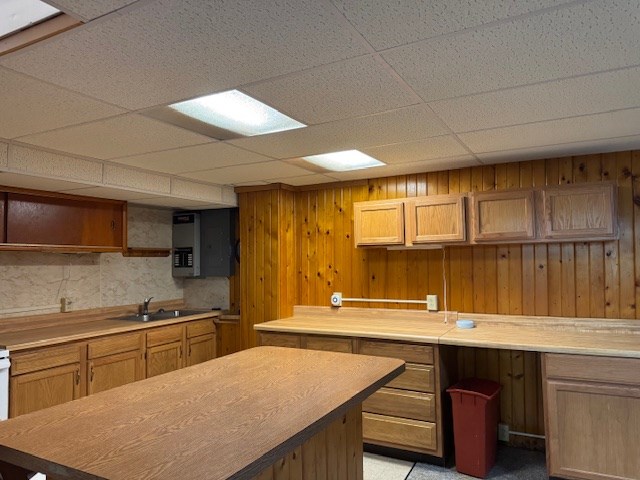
(378, 223)
(579, 211)
(64, 221)
(436, 219)
(501, 216)
(407, 221)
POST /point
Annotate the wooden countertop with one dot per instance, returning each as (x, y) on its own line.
(21, 333)
(407, 325)
(226, 418)
(605, 337)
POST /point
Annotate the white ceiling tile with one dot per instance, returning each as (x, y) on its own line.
(170, 50)
(247, 173)
(190, 159)
(566, 149)
(176, 203)
(408, 168)
(314, 179)
(116, 137)
(196, 191)
(29, 106)
(577, 129)
(570, 97)
(430, 148)
(19, 180)
(387, 24)
(401, 125)
(351, 88)
(4, 155)
(128, 178)
(39, 162)
(229, 196)
(106, 192)
(89, 9)
(588, 37)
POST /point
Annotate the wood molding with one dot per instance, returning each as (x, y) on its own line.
(146, 252)
(29, 36)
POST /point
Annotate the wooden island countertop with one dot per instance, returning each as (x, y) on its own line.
(227, 418)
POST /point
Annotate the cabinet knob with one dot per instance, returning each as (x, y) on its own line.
(113, 224)
(91, 373)
(77, 377)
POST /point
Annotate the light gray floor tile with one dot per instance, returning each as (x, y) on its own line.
(377, 467)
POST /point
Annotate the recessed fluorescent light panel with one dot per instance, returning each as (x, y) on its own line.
(344, 161)
(237, 112)
(16, 15)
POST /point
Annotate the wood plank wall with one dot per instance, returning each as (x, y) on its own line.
(595, 279)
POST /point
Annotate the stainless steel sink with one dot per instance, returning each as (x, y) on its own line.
(160, 315)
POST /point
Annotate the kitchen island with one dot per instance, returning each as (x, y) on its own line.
(256, 413)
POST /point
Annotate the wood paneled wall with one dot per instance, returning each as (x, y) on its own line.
(304, 247)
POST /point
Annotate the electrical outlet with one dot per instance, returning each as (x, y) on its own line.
(503, 432)
(336, 299)
(432, 303)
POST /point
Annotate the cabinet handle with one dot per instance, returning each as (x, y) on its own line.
(189, 350)
(180, 351)
(77, 377)
(113, 224)
(91, 374)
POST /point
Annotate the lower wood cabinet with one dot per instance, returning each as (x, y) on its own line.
(114, 361)
(405, 414)
(42, 389)
(48, 376)
(592, 416)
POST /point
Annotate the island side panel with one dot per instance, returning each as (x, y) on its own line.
(336, 451)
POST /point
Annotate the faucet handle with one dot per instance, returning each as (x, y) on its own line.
(147, 300)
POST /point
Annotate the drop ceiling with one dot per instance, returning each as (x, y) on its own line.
(422, 86)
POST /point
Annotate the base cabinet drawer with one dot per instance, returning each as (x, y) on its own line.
(399, 432)
(279, 340)
(409, 352)
(420, 378)
(330, 344)
(400, 403)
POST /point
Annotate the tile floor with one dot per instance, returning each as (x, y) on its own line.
(511, 464)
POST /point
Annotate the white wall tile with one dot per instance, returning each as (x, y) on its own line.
(39, 162)
(118, 176)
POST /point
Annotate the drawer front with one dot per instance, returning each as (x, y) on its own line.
(399, 432)
(400, 403)
(162, 336)
(200, 327)
(592, 368)
(420, 378)
(280, 340)
(330, 344)
(42, 358)
(409, 352)
(116, 344)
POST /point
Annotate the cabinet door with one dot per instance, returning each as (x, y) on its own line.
(378, 223)
(43, 389)
(577, 212)
(502, 216)
(3, 210)
(201, 349)
(436, 219)
(114, 370)
(592, 430)
(65, 221)
(228, 337)
(164, 358)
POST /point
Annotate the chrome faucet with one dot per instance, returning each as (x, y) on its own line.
(145, 306)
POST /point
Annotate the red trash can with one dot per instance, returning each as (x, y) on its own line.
(475, 425)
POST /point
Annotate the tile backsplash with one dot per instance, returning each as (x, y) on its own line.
(32, 282)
